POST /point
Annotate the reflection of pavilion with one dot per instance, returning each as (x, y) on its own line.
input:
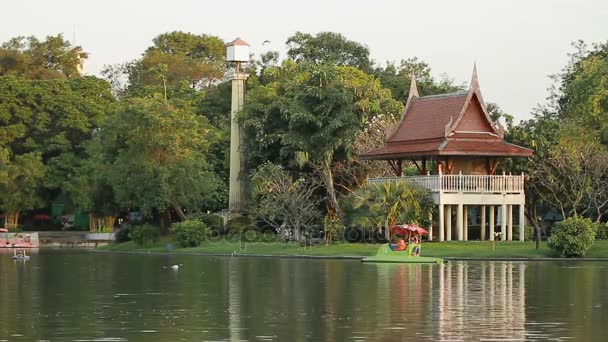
(491, 308)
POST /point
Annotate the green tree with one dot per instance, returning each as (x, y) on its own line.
(382, 205)
(20, 180)
(397, 78)
(189, 61)
(582, 94)
(154, 157)
(31, 58)
(52, 119)
(328, 48)
(312, 113)
(290, 206)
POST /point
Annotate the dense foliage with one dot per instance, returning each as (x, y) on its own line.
(152, 138)
(190, 233)
(573, 237)
(382, 205)
(145, 235)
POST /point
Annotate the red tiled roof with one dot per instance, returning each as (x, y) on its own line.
(427, 117)
(450, 147)
(237, 41)
(496, 148)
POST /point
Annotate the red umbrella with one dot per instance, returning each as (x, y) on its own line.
(404, 229)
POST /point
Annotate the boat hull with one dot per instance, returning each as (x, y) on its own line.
(385, 254)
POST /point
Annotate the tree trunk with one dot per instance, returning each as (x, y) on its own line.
(329, 185)
(12, 220)
(178, 210)
(165, 221)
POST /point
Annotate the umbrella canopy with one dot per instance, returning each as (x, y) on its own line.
(404, 229)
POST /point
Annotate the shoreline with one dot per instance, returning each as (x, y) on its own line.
(338, 257)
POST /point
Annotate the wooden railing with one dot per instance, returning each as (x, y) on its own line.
(464, 183)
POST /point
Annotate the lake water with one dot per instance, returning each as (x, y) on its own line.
(87, 296)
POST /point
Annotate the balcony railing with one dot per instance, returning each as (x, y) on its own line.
(464, 183)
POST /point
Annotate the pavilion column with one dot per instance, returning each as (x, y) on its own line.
(483, 223)
(491, 232)
(503, 222)
(465, 221)
(510, 222)
(441, 223)
(430, 236)
(459, 223)
(448, 223)
(522, 222)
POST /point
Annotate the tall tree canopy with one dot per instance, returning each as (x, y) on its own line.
(175, 60)
(32, 58)
(313, 111)
(328, 48)
(154, 157)
(44, 124)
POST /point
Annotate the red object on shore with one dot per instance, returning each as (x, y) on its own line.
(3, 230)
(404, 229)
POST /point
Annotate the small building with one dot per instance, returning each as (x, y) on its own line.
(457, 148)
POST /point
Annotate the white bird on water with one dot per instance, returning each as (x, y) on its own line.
(174, 267)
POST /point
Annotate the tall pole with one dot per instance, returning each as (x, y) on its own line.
(236, 193)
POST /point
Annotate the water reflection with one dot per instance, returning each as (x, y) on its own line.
(92, 296)
(482, 301)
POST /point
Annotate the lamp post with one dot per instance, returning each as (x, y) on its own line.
(237, 52)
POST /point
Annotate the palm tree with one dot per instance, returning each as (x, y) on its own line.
(382, 205)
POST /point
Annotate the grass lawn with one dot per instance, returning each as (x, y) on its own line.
(470, 249)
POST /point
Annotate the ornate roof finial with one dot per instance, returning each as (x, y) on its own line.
(413, 89)
(474, 78)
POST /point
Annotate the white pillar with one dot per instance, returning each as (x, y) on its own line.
(448, 223)
(459, 225)
(430, 236)
(491, 232)
(522, 223)
(510, 222)
(483, 222)
(441, 223)
(503, 222)
(235, 195)
(465, 222)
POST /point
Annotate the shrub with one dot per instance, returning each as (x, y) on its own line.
(123, 234)
(573, 237)
(239, 225)
(190, 233)
(145, 235)
(214, 222)
(602, 231)
(529, 233)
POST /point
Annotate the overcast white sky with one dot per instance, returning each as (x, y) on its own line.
(516, 43)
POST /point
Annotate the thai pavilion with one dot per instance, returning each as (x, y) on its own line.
(457, 149)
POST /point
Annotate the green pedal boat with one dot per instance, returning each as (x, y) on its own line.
(404, 252)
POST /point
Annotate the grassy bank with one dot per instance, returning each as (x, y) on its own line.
(471, 249)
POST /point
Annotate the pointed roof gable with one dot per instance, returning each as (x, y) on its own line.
(413, 89)
(447, 124)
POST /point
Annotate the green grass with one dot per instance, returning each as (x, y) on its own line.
(455, 249)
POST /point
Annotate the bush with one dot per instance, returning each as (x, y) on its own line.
(214, 222)
(123, 234)
(239, 225)
(573, 237)
(529, 233)
(145, 235)
(602, 231)
(190, 233)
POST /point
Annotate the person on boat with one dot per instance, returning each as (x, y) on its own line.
(400, 246)
(416, 242)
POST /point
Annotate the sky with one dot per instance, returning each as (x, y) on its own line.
(516, 44)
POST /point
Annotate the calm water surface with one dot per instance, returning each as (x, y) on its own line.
(88, 296)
